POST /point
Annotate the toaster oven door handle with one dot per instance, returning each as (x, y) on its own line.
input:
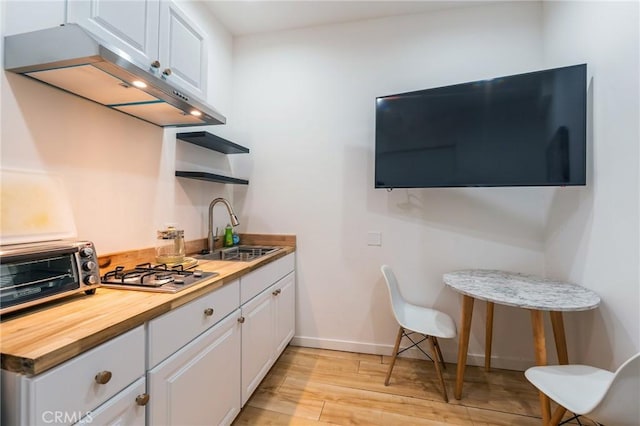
(40, 254)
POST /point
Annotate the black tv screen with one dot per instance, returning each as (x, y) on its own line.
(520, 130)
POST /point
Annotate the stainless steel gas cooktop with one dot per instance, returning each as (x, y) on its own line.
(157, 278)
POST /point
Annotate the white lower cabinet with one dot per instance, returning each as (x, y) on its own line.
(257, 342)
(208, 379)
(200, 383)
(268, 326)
(75, 389)
(285, 314)
(203, 361)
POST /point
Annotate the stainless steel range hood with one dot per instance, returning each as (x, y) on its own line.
(69, 58)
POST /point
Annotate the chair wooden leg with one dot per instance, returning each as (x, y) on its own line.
(557, 416)
(395, 354)
(440, 358)
(437, 365)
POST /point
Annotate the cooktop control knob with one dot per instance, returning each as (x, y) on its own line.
(86, 252)
(90, 279)
(89, 266)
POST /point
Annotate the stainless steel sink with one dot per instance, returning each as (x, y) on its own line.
(243, 253)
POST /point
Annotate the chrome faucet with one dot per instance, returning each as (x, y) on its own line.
(234, 220)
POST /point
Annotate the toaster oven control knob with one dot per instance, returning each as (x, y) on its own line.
(86, 252)
(90, 280)
(89, 266)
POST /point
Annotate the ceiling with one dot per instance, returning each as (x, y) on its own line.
(243, 17)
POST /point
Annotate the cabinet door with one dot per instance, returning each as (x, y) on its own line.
(128, 25)
(199, 384)
(123, 409)
(285, 301)
(257, 342)
(183, 50)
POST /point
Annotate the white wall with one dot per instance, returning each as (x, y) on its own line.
(303, 101)
(592, 236)
(306, 100)
(117, 170)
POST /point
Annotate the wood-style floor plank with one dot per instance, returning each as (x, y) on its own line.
(354, 414)
(414, 407)
(251, 416)
(308, 408)
(316, 387)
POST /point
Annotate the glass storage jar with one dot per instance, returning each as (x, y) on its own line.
(170, 247)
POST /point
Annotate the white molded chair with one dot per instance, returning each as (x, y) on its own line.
(610, 398)
(429, 323)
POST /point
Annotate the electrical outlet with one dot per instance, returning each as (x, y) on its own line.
(374, 238)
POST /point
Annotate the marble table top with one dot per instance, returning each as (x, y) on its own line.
(521, 290)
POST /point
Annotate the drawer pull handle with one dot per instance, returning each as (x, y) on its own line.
(241, 320)
(103, 377)
(142, 399)
(277, 292)
(208, 312)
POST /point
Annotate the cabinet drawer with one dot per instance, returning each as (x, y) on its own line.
(255, 282)
(72, 388)
(173, 330)
(122, 409)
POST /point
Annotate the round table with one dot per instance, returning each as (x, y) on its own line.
(530, 292)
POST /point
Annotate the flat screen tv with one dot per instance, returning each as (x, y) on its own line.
(520, 130)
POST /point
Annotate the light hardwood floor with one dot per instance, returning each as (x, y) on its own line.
(320, 387)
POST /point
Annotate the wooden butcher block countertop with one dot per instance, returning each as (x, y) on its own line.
(41, 338)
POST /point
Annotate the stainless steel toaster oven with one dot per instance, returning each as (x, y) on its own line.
(35, 273)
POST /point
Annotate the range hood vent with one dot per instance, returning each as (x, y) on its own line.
(69, 58)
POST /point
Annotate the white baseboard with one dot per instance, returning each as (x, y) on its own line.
(516, 364)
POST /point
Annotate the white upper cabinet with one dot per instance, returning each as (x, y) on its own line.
(128, 25)
(156, 34)
(182, 50)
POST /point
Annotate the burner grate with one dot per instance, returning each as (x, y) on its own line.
(149, 277)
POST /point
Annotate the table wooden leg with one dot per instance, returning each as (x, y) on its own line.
(537, 322)
(558, 334)
(463, 344)
(488, 337)
(557, 323)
